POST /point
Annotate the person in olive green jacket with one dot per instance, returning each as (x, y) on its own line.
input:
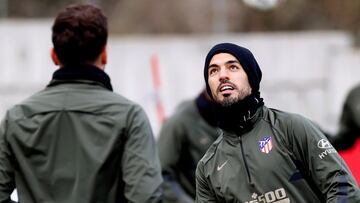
(77, 141)
(349, 129)
(264, 155)
(347, 139)
(184, 139)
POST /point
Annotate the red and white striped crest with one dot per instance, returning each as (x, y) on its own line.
(265, 144)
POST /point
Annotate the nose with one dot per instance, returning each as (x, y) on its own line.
(223, 74)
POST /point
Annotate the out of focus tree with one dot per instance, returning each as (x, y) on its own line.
(47, 8)
(35, 8)
(159, 16)
(201, 16)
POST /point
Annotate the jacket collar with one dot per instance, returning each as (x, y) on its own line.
(237, 116)
(69, 74)
(233, 136)
(206, 109)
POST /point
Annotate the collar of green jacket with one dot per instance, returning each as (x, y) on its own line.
(233, 136)
(237, 117)
(76, 73)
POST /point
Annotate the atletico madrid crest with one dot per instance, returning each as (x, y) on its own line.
(265, 144)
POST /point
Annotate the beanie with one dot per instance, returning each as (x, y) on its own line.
(246, 59)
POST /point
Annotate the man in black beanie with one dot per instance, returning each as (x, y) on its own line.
(264, 155)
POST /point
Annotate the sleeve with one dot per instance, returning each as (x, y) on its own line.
(322, 166)
(140, 163)
(170, 144)
(7, 180)
(349, 126)
(204, 194)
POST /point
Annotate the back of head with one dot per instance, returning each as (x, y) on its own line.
(79, 34)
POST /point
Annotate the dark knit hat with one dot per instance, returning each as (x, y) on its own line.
(246, 59)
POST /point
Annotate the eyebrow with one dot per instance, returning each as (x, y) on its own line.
(232, 61)
(227, 63)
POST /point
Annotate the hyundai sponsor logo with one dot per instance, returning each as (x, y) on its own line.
(328, 148)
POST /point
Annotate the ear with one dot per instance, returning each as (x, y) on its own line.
(54, 57)
(103, 55)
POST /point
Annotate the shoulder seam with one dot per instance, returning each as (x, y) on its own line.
(214, 147)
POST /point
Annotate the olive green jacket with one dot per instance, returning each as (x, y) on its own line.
(349, 129)
(74, 142)
(184, 139)
(282, 157)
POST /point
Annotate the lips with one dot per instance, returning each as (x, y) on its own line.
(226, 87)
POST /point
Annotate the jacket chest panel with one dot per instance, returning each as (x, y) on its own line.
(250, 166)
(266, 157)
(199, 140)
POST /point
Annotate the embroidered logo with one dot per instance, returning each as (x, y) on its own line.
(265, 144)
(221, 166)
(327, 148)
(324, 144)
(204, 140)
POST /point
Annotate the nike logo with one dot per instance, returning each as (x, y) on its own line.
(222, 165)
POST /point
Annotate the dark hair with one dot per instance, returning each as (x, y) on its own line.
(79, 34)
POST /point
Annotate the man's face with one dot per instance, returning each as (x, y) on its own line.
(227, 79)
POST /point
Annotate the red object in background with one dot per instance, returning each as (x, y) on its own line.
(351, 157)
(155, 71)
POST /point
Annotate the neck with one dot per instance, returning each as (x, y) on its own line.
(237, 116)
(99, 65)
(81, 72)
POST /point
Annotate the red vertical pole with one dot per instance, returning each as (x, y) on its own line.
(155, 72)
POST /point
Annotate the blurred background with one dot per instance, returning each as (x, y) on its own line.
(308, 50)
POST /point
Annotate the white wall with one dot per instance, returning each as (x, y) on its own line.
(307, 72)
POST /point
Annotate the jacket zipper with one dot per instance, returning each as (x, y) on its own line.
(245, 163)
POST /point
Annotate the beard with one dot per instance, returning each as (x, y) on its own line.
(229, 100)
